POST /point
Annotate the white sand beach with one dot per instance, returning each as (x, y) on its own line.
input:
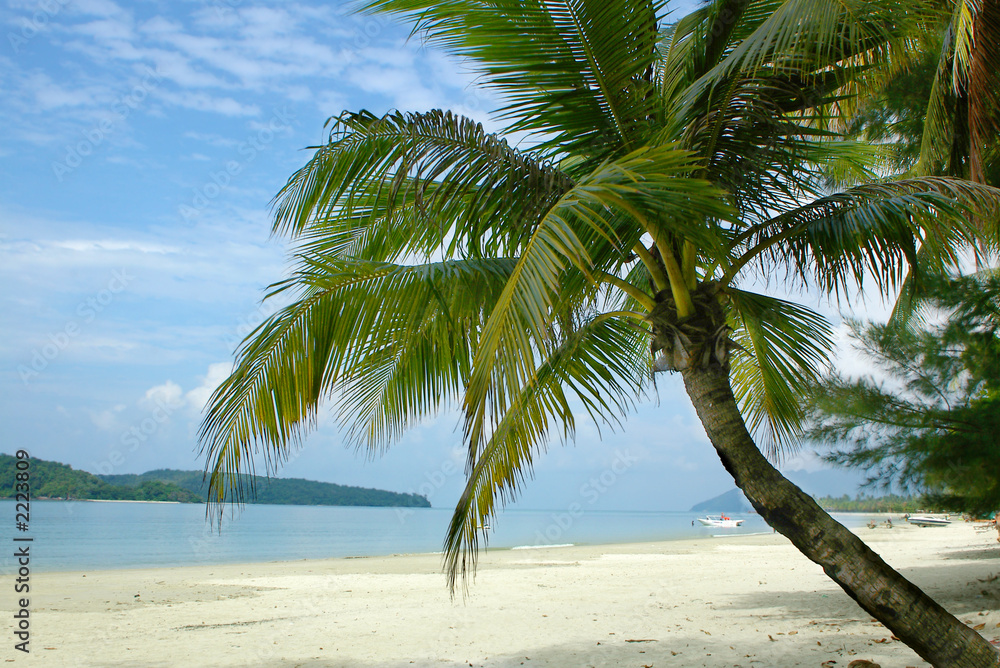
(745, 601)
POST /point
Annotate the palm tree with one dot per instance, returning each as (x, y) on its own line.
(940, 112)
(436, 265)
(963, 114)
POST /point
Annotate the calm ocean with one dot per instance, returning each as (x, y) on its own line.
(79, 535)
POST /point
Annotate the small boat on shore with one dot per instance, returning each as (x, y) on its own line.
(722, 522)
(928, 521)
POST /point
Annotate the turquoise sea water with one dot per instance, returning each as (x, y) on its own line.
(82, 535)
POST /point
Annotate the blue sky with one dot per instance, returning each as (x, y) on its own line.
(140, 147)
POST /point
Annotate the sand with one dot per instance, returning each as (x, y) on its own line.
(743, 601)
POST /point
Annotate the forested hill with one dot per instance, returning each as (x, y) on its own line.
(60, 481)
(291, 491)
(732, 501)
(878, 504)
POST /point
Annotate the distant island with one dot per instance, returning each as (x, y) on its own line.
(734, 501)
(55, 480)
(279, 491)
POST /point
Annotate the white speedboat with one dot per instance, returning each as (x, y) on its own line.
(720, 523)
(928, 521)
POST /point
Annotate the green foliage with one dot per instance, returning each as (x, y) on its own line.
(286, 491)
(154, 490)
(890, 503)
(938, 110)
(933, 424)
(59, 481)
(895, 114)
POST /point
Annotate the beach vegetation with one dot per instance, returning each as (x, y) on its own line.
(670, 168)
(929, 421)
(278, 491)
(54, 480)
(887, 503)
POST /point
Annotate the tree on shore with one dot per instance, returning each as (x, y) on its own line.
(436, 265)
(932, 423)
(938, 113)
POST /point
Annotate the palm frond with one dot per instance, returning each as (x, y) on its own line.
(755, 149)
(873, 231)
(604, 365)
(809, 35)
(648, 185)
(780, 349)
(939, 131)
(984, 86)
(388, 344)
(576, 69)
(410, 183)
(963, 112)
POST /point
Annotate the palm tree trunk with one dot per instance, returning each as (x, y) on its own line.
(909, 613)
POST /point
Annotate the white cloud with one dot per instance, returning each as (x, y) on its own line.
(48, 95)
(331, 103)
(212, 139)
(106, 347)
(179, 69)
(167, 394)
(804, 460)
(198, 398)
(107, 29)
(113, 245)
(104, 420)
(848, 360)
(400, 85)
(226, 106)
(96, 8)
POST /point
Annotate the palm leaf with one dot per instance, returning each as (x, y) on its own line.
(963, 112)
(808, 35)
(575, 69)
(646, 184)
(387, 343)
(604, 364)
(781, 348)
(406, 183)
(872, 231)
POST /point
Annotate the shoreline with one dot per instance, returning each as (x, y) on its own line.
(201, 544)
(746, 601)
(126, 501)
